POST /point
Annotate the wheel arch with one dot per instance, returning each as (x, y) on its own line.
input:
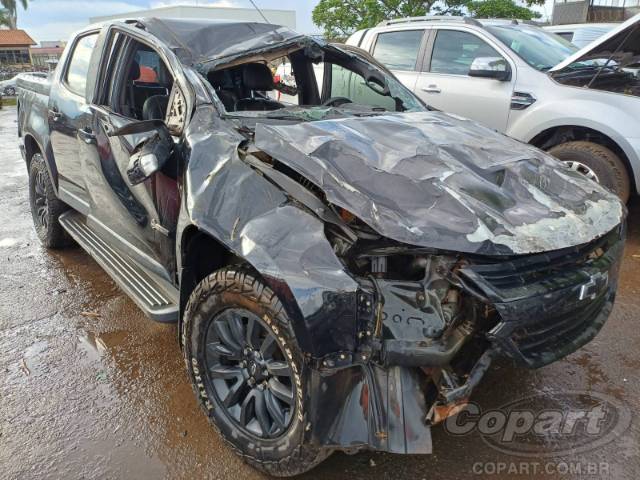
(201, 254)
(556, 135)
(31, 147)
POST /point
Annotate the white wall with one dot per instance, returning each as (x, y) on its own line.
(277, 17)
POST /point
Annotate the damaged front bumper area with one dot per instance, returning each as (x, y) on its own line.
(425, 343)
(550, 304)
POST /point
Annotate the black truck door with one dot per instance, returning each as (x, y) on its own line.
(132, 74)
(69, 119)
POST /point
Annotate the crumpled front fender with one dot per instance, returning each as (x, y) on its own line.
(227, 199)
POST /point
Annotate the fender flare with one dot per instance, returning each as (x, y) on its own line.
(47, 153)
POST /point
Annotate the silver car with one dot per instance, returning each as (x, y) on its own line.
(582, 106)
(8, 87)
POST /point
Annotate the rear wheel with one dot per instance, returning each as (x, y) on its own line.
(248, 372)
(596, 162)
(46, 207)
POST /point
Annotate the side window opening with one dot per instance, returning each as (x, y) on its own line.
(455, 51)
(140, 85)
(303, 78)
(398, 50)
(255, 86)
(351, 85)
(285, 87)
(78, 68)
(149, 84)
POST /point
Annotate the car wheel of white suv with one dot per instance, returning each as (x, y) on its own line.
(596, 162)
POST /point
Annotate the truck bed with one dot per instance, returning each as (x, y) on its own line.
(33, 112)
(34, 84)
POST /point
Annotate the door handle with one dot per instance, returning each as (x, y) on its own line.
(431, 89)
(86, 135)
(55, 115)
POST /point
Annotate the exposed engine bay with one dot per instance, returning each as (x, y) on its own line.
(612, 65)
(430, 321)
(610, 79)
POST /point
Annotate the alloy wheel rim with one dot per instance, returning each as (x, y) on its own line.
(580, 167)
(249, 373)
(41, 203)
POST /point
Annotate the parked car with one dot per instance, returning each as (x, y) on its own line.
(8, 87)
(581, 34)
(579, 105)
(343, 270)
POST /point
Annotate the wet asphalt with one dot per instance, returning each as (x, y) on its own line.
(90, 388)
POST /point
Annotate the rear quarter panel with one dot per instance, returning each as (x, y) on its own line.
(33, 122)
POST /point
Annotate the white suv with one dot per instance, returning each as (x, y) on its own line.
(582, 106)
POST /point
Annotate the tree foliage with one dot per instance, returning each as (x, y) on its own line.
(5, 21)
(10, 13)
(340, 18)
(500, 9)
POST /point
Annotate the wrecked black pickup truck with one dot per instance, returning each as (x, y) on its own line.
(342, 261)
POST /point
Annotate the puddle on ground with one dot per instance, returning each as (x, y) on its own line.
(8, 242)
(33, 357)
(95, 346)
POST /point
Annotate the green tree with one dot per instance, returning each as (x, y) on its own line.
(500, 9)
(4, 19)
(340, 18)
(11, 9)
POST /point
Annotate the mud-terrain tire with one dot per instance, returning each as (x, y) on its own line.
(227, 296)
(606, 165)
(45, 206)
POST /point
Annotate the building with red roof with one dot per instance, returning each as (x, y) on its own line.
(14, 48)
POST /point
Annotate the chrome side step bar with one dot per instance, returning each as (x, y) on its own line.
(156, 297)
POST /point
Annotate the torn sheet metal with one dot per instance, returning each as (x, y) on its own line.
(550, 304)
(368, 406)
(437, 180)
(196, 41)
(227, 199)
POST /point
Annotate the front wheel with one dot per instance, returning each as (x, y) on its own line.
(248, 371)
(596, 162)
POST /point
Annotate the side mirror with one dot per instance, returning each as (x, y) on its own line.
(490, 67)
(150, 155)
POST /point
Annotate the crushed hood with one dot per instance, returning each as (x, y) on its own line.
(609, 44)
(436, 180)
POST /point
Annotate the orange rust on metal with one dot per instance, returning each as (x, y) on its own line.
(442, 412)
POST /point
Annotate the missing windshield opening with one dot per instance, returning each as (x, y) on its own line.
(291, 81)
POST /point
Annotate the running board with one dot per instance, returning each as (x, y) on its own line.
(156, 297)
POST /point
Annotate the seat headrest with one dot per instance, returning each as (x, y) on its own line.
(155, 107)
(257, 76)
(134, 71)
(220, 79)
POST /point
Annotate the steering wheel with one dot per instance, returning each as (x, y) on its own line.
(336, 101)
